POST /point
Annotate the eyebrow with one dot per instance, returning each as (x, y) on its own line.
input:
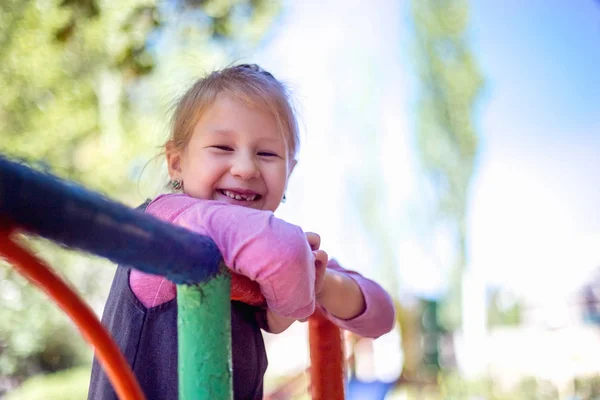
(228, 132)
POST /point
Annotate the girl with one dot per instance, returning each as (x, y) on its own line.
(231, 151)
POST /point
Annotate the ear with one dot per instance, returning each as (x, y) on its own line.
(173, 160)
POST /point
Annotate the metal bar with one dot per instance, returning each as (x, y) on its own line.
(81, 219)
(204, 337)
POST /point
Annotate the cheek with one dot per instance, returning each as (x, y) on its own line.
(204, 171)
(277, 179)
(205, 162)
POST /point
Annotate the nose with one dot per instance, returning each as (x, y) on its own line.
(244, 167)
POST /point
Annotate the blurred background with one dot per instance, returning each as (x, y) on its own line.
(450, 150)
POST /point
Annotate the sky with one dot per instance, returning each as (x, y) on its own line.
(532, 212)
(534, 207)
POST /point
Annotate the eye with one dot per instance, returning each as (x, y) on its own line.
(267, 154)
(223, 148)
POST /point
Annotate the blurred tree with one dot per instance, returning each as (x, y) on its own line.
(67, 69)
(503, 309)
(77, 79)
(446, 139)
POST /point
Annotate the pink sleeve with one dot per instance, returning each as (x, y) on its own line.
(378, 317)
(151, 290)
(253, 243)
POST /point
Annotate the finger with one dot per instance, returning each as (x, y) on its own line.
(314, 240)
(321, 258)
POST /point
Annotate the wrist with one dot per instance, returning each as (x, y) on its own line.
(341, 296)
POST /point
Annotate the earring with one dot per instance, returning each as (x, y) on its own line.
(283, 199)
(176, 184)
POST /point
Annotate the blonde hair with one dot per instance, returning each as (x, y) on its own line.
(246, 82)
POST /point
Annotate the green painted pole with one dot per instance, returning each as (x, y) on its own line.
(204, 337)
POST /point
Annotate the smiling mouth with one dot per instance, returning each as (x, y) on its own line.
(239, 196)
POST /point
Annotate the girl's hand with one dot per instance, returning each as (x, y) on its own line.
(321, 260)
(314, 240)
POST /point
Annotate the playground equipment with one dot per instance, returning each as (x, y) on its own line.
(37, 203)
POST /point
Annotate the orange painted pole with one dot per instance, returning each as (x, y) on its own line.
(109, 355)
(326, 359)
(325, 340)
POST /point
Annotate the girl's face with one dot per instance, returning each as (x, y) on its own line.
(236, 155)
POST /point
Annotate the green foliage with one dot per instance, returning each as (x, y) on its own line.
(84, 87)
(502, 314)
(69, 384)
(449, 85)
(35, 335)
(452, 386)
(447, 142)
(68, 70)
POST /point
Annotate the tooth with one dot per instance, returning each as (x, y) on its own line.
(235, 196)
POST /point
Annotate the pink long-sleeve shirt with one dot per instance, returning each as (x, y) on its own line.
(268, 250)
